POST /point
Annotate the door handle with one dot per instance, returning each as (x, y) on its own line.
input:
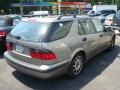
(84, 39)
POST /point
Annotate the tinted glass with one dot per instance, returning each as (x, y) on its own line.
(30, 31)
(87, 26)
(108, 12)
(98, 25)
(59, 30)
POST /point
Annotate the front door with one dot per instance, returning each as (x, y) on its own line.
(105, 37)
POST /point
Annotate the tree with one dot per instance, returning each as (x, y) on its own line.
(4, 4)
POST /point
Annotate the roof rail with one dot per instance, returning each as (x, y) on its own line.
(59, 17)
(35, 15)
(63, 16)
(74, 16)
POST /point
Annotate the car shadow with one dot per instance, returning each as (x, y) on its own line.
(91, 70)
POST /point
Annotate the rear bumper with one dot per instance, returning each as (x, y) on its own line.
(42, 71)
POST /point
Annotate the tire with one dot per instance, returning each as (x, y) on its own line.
(76, 66)
(112, 45)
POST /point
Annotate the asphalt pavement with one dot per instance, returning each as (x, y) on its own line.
(100, 73)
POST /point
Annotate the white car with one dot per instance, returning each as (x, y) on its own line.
(109, 20)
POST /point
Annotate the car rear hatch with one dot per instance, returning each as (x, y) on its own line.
(24, 39)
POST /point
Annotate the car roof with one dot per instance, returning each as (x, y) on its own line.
(54, 18)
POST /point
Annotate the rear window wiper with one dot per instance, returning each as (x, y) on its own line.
(17, 37)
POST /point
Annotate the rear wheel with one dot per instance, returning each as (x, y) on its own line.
(76, 65)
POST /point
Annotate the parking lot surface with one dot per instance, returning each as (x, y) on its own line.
(101, 73)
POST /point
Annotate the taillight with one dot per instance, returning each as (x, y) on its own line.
(2, 33)
(8, 46)
(42, 55)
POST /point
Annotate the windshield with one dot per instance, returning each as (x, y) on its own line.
(30, 31)
(107, 12)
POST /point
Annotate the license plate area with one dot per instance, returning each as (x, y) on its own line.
(19, 48)
(22, 49)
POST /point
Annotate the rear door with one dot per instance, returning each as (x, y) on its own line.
(88, 36)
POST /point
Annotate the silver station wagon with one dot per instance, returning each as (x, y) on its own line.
(46, 47)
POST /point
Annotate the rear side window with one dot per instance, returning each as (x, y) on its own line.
(87, 26)
(59, 30)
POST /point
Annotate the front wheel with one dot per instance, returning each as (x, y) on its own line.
(76, 65)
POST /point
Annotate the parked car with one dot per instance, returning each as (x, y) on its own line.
(101, 17)
(108, 8)
(38, 13)
(116, 19)
(6, 25)
(18, 20)
(102, 14)
(109, 20)
(107, 12)
(50, 46)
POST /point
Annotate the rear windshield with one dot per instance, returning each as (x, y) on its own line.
(30, 31)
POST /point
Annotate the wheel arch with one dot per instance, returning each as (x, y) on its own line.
(78, 52)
